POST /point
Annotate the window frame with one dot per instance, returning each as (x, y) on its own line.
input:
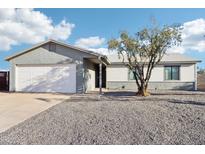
(129, 79)
(179, 71)
(130, 72)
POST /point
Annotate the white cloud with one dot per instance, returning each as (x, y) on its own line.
(93, 43)
(62, 31)
(178, 49)
(193, 37)
(90, 42)
(103, 51)
(29, 26)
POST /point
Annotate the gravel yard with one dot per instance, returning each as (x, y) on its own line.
(117, 118)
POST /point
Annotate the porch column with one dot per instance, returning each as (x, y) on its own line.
(100, 78)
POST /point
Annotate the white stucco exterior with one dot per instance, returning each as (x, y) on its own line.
(187, 72)
(157, 73)
(89, 75)
(91, 80)
(117, 73)
(120, 73)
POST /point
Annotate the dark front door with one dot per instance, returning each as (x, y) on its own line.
(97, 76)
(4, 83)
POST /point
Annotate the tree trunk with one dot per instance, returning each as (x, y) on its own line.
(142, 90)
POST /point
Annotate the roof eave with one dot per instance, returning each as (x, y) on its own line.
(76, 48)
(168, 62)
(52, 41)
(107, 60)
(26, 50)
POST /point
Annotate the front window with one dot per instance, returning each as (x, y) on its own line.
(131, 75)
(171, 72)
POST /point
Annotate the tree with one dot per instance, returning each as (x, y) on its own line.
(144, 51)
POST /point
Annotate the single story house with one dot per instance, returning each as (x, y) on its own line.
(53, 66)
(175, 71)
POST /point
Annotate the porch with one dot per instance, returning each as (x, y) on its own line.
(95, 74)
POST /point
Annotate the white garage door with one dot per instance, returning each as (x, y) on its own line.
(46, 78)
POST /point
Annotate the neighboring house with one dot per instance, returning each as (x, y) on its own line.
(4, 80)
(175, 71)
(53, 66)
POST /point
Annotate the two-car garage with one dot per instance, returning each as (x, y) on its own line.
(46, 78)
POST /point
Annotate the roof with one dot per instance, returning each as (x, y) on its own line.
(4, 70)
(168, 58)
(57, 42)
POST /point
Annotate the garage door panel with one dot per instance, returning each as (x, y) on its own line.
(56, 78)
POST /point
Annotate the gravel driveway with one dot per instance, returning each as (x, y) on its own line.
(117, 118)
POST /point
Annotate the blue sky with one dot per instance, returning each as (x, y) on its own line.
(84, 27)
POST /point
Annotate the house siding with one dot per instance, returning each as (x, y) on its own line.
(42, 55)
(188, 72)
(117, 78)
(117, 73)
(131, 85)
(89, 75)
